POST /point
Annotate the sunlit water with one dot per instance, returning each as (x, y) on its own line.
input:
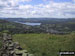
(31, 24)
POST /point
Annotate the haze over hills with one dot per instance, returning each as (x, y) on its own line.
(48, 25)
(39, 20)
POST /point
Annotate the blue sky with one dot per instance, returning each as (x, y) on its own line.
(37, 8)
(63, 0)
(35, 2)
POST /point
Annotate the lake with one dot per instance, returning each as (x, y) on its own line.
(31, 24)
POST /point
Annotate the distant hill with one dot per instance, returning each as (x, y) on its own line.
(16, 28)
(40, 20)
(47, 25)
(11, 26)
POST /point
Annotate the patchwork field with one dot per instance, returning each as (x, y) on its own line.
(46, 44)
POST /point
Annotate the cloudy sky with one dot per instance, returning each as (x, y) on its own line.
(37, 8)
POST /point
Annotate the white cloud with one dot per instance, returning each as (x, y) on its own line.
(12, 8)
(25, 7)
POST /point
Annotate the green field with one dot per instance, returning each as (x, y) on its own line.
(46, 44)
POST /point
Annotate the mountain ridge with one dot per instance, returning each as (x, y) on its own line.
(37, 19)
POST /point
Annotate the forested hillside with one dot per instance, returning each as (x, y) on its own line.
(57, 26)
(12, 27)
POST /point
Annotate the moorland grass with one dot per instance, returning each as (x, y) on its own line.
(46, 44)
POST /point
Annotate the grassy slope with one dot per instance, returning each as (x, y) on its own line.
(46, 44)
(0, 42)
